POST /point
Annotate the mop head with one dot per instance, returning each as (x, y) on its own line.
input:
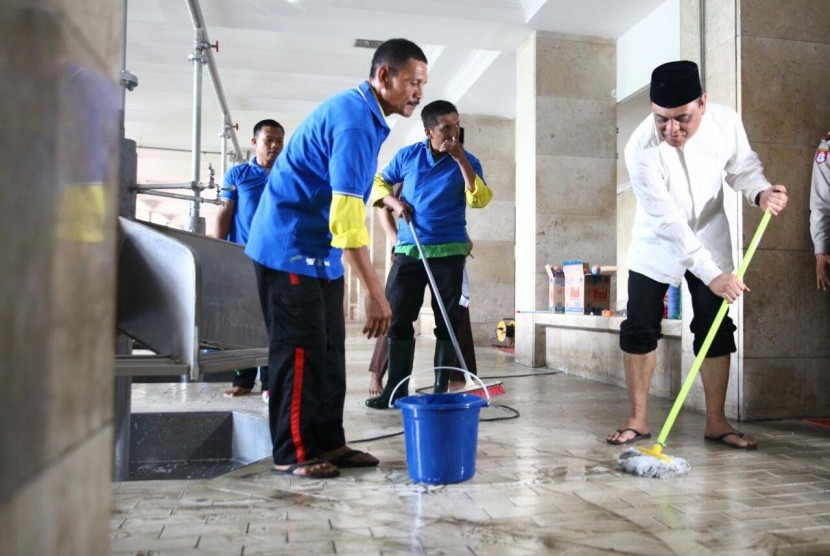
(650, 462)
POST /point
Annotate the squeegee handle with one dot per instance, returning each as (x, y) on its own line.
(710, 336)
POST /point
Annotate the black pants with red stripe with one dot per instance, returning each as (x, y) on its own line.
(306, 363)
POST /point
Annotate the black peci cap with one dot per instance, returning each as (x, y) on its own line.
(675, 84)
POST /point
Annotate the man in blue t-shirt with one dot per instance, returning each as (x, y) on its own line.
(241, 191)
(245, 182)
(440, 179)
(311, 214)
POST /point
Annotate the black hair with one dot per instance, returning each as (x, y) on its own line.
(396, 53)
(267, 123)
(435, 109)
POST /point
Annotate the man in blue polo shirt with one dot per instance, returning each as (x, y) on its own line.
(242, 189)
(440, 179)
(311, 214)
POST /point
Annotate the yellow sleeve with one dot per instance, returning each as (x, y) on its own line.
(82, 214)
(347, 222)
(380, 189)
(480, 197)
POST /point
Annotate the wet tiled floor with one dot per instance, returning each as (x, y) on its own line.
(545, 483)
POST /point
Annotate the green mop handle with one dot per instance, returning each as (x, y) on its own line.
(704, 349)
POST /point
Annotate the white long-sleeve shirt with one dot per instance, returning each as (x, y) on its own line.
(680, 223)
(820, 199)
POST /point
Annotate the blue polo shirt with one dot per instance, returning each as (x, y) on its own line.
(248, 179)
(334, 150)
(435, 189)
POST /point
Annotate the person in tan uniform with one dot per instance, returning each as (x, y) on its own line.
(820, 212)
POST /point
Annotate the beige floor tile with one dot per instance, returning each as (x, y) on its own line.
(545, 483)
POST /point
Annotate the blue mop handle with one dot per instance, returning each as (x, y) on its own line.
(704, 349)
(437, 295)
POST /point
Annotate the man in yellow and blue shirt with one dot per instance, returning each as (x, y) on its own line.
(440, 179)
(311, 214)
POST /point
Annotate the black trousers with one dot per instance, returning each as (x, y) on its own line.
(306, 363)
(405, 288)
(246, 378)
(640, 330)
(380, 356)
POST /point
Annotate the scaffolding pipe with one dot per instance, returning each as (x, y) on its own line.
(223, 161)
(194, 200)
(199, 24)
(195, 223)
(142, 188)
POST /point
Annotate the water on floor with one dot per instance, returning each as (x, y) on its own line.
(545, 483)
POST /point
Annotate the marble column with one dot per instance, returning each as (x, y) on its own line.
(768, 63)
(492, 229)
(60, 108)
(783, 84)
(565, 167)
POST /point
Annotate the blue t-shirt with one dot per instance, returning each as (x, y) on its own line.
(334, 150)
(435, 189)
(249, 180)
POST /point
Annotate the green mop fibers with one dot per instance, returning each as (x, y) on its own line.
(652, 462)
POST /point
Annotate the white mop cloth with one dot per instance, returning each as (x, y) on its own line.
(638, 463)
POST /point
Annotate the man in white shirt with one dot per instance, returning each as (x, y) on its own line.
(678, 159)
(820, 213)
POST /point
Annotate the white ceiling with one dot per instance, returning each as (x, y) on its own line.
(281, 58)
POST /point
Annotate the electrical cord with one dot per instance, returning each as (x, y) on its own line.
(514, 413)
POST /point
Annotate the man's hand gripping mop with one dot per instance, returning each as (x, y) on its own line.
(652, 462)
(484, 390)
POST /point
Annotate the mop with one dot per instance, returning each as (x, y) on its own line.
(652, 462)
(493, 389)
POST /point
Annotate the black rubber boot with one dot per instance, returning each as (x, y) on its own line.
(444, 357)
(401, 356)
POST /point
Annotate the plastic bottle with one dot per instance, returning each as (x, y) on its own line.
(674, 303)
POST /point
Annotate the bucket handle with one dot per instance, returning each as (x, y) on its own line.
(468, 373)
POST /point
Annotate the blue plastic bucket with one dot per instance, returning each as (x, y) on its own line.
(441, 434)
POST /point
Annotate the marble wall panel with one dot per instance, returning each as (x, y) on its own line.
(784, 314)
(792, 166)
(94, 30)
(695, 399)
(562, 238)
(490, 301)
(575, 185)
(500, 175)
(495, 222)
(721, 17)
(60, 107)
(785, 111)
(721, 83)
(496, 268)
(525, 159)
(596, 355)
(576, 67)
(65, 509)
(785, 388)
(492, 229)
(785, 91)
(489, 137)
(576, 237)
(530, 341)
(576, 127)
(689, 30)
(805, 20)
(626, 207)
